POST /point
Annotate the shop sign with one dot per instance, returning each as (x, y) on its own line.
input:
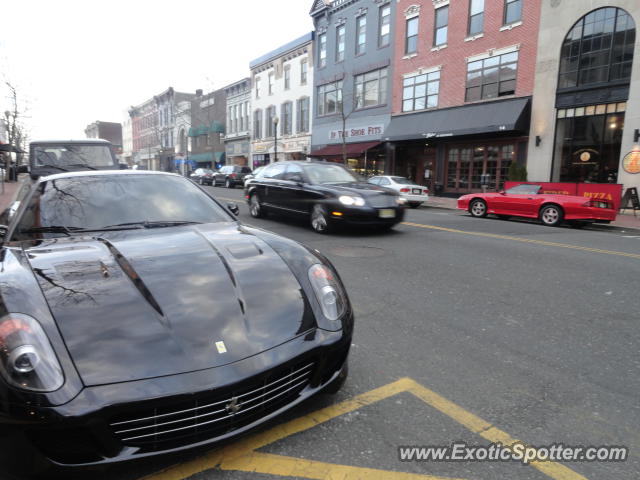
(631, 162)
(260, 148)
(597, 191)
(365, 131)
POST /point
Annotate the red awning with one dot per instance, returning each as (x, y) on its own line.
(336, 150)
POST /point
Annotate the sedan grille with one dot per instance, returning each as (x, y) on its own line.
(211, 414)
(382, 201)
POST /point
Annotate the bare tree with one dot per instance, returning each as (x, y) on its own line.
(346, 105)
(16, 133)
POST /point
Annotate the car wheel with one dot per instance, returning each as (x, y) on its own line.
(338, 383)
(255, 207)
(478, 208)
(229, 184)
(415, 204)
(201, 181)
(551, 215)
(319, 219)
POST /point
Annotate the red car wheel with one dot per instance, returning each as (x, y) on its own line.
(478, 208)
(551, 215)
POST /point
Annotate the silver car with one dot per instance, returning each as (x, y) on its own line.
(412, 193)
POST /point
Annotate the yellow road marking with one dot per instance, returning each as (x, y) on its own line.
(524, 240)
(243, 455)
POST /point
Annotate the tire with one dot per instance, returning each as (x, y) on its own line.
(229, 184)
(415, 204)
(338, 383)
(255, 207)
(201, 181)
(478, 208)
(320, 219)
(551, 215)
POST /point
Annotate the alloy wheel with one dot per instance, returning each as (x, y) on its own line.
(254, 206)
(478, 208)
(318, 219)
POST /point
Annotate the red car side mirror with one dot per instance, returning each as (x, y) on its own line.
(502, 192)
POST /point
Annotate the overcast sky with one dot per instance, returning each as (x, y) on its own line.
(78, 61)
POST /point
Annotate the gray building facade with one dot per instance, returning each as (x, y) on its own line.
(354, 43)
(206, 135)
(237, 140)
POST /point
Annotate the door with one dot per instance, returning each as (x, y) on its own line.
(272, 178)
(294, 195)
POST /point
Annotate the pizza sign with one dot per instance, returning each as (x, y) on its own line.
(631, 162)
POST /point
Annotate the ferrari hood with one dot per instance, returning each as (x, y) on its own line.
(141, 304)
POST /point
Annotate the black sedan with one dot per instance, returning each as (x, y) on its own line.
(140, 318)
(203, 176)
(327, 193)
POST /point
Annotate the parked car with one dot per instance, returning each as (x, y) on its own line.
(414, 194)
(231, 175)
(47, 157)
(252, 175)
(327, 193)
(203, 176)
(527, 201)
(106, 357)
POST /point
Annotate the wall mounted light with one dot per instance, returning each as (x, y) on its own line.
(538, 140)
(636, 135)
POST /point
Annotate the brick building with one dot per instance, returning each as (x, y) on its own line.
(208, 117)
(462, 86)
(110, 131)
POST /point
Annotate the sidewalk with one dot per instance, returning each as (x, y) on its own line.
(10, 191)
(624, 220)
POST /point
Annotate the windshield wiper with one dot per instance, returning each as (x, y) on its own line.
(51, 229)
(53, 166)
(153, 224)
(88, 167)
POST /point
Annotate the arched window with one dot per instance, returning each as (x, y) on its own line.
(598, 49)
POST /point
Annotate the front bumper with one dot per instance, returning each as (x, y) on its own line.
(81, 434)
(366, 215)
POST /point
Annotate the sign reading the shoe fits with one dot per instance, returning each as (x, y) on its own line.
(363, 131)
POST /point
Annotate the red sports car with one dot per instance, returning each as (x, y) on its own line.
(527, 201)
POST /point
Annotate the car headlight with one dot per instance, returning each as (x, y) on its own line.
(349, 200)
(27, 360)
(329, 292)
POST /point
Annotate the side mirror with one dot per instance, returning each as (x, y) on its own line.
(297, 179)
(23, 169)
(502, 192)
(233, 208)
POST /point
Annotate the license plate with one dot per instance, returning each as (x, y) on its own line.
(387, 213)
(417, 191)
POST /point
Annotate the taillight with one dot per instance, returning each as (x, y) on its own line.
(405, 190)
(426, 190)
(233, 175)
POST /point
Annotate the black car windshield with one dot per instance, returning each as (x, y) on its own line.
(402, 181)
(330, 173)
(524, 190)
(62, 156)
(97, 202)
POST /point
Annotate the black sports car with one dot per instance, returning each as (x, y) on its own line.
(327, 193)
(117, 341)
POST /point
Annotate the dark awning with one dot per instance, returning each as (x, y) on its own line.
(487, 117)
(336, 150)
(5, 147)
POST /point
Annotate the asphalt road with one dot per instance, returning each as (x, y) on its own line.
(533, 330)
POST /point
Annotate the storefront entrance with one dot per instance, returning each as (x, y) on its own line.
(467, 163)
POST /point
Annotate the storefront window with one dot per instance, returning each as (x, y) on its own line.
(466, 165)
(587, 147)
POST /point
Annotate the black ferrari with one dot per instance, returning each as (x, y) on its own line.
(139, 317)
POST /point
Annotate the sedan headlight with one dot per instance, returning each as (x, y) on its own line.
(27, 360)
(329, 292)
(349, 200)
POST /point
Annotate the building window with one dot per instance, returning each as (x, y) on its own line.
(371, 89)
(340, 42)
(441, 26)
(257, 87)
(270, 83)
(411, 39)
(257, 124)
(246, 111)
(492, 77)
(229, 129)
(384, 27)
(286, 112)
(588, 143)
(512, 11)
(466, 165)
(287, 77)
(302, 115)
(598, 49)
(322, 50)
(269, 115)
(304, 71)
(476, 17)
(330, 98)
(361, 34)
(420, 92)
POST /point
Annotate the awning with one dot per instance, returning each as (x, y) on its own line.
(5, 147)
(351, 148)
(477, 118)
(207, 157)
(217, 127)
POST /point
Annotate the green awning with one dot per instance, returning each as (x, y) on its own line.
(201, 157)
(197, 131)
(220, 157)
(217, 127)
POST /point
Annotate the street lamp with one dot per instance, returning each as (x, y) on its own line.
(275, 132)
